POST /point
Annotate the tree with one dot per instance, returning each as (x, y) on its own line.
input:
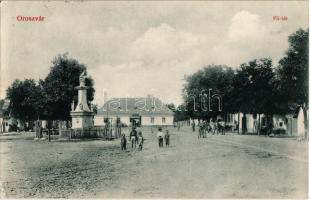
(253, 87)
(181, 114)
(293, 72)
(59, 87)
(23, 96)
(201, 87)
(171, 106)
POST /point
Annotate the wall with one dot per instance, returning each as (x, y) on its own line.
(300, 123)
(277, 120)
(249, 122)
(76, 122)
(82, 121)
(98, 120)
(1, 126)
(291, 127)
(145, 120)
(125, 120)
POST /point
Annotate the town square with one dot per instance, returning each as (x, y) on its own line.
(148, 99)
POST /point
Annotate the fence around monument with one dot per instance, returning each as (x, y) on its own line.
(92, 132)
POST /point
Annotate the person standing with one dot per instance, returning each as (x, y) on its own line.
(221, 127)
(193, 125)
(133, 137)
(123, 142)
(205, 128)
(200, 129)
(118, 127)
(167, 138)
(140, 139)
(38, 129)
(160, 137)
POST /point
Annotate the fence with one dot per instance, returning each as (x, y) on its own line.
(92, 132)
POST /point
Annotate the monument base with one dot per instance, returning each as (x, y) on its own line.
(82, 119)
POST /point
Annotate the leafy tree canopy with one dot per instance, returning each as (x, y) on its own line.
(59, 86)
(218, 79)
(23, 96)
(253, 87)
(51, 98)
(294, 68)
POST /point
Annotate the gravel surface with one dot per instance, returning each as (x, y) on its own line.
(229, 166)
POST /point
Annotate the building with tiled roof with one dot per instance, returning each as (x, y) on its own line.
(144, 111)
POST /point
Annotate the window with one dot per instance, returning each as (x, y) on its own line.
(281, 124)
(152, 120)
(163, 120)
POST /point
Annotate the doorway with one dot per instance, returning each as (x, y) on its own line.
(135, 120)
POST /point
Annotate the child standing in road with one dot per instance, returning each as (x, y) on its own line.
(123, 142)
(167, 138)
(160, 136)
(140, 139)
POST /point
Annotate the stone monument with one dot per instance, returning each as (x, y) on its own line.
(82, 116)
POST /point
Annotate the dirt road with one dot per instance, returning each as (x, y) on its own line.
(232, 166)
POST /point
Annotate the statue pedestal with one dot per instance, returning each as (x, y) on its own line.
(82, 119)
(82, 116)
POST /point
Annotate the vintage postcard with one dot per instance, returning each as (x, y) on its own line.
(154, 99)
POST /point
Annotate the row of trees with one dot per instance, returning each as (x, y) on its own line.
(49, 98)
(255, 87)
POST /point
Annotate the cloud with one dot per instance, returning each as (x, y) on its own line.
(160, 56)
(164, 43)
(157, 61)
(245, 26)
(248, 38)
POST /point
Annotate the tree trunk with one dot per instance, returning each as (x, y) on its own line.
(49, 130)
(272, 125)
(238, 123)
(258, 125)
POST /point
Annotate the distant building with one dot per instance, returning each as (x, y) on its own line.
(144, 111)
(5, 120)
(291, 123)
(295, 122)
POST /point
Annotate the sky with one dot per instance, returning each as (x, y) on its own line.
(132, 49)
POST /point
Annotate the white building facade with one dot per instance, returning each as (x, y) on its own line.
(145, 111)
(292, 123)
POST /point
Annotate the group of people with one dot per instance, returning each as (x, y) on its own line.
(210, 127)
(135, 137)
(161, 136)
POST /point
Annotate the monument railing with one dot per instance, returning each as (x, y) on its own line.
(91, 132)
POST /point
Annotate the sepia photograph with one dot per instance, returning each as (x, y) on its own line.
(154, 99)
